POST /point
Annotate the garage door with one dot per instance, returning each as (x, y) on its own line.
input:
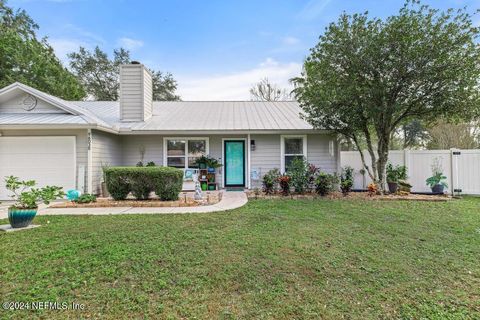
(47, 160)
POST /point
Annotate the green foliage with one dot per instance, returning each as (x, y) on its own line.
(298, 171)
(150, 164)
(437, 178)
(32, 61)
(397, 173)
(208, 161)
(100, 75)
(367, 76)
(86, 198)
(346, 180)
(166, 182)
(325, 183)
(27, 197)
(270, 181)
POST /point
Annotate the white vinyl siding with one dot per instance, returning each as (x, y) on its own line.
(135, 93)
(322, 152)
(16, 105)
(106, 150)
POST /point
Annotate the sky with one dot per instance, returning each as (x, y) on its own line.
(216, 50)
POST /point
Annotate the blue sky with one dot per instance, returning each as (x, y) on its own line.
(215, 49)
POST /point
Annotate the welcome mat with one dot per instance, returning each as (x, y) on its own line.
(235, 189)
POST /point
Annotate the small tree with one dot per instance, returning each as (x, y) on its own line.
(266, 91)
(366, 77)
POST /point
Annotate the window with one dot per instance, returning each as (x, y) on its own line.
(292, 147)
(182, 152)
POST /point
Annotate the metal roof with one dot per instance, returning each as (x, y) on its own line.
(167, 115)
(206, 115)
(40, 118)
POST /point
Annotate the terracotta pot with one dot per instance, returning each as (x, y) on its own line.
(20, 218)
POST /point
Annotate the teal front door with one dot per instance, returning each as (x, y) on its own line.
(234, 164)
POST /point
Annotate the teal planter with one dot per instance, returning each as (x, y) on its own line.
(20, 218)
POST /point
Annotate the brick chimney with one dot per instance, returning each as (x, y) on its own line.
(135, 92)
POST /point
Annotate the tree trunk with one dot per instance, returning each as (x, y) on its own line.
(383, 147)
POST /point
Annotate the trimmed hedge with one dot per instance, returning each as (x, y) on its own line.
(141, 181)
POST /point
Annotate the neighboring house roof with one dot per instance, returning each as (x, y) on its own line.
(167, 115)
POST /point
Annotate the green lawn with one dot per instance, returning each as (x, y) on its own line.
(270, 259)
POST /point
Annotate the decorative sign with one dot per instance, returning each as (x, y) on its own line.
(29, 103)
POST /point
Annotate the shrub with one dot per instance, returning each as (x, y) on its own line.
(372, 189)
(117, 182)
(270, 181)
(284, 181)
(298, 171)
(86, 198)
(150, 164)
(168, 183)
(325, 183)
(346, 180)
(165, 181)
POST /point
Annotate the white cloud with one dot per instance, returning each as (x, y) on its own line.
(63, 46)
(236, 86)
(290, 41)
(313, 9)
(129, 43)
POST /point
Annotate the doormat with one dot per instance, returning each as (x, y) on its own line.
(235, 189)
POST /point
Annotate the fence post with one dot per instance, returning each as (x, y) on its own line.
(406, 160)
(454, 153)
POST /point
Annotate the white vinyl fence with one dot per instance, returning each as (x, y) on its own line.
(461, 167)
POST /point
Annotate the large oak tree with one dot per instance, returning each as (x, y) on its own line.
(100, 75)
(367, 76)
(27, 59)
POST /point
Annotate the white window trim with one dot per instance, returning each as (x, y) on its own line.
(282, 148)
(165, 139)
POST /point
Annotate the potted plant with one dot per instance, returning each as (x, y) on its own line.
(437, 181)
(394, 175)
(202, 162)
(27, 198)
(212, 164)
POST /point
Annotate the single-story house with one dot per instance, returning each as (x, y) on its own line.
(66, 143)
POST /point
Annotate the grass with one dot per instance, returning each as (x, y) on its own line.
(271, 259)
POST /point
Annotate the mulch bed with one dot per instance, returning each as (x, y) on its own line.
(353, 195)
(185, 200)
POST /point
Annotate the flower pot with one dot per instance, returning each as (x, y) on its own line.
(202, 166)
(204, 186)
(392, 187)
(438, 188)
(211, 187)
(211, 170)
(20, 218)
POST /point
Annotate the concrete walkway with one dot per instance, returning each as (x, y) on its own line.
(230, 200)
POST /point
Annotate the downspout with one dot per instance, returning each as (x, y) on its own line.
(89, 161)
(249, 175)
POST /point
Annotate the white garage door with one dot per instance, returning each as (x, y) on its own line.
(47, 160)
